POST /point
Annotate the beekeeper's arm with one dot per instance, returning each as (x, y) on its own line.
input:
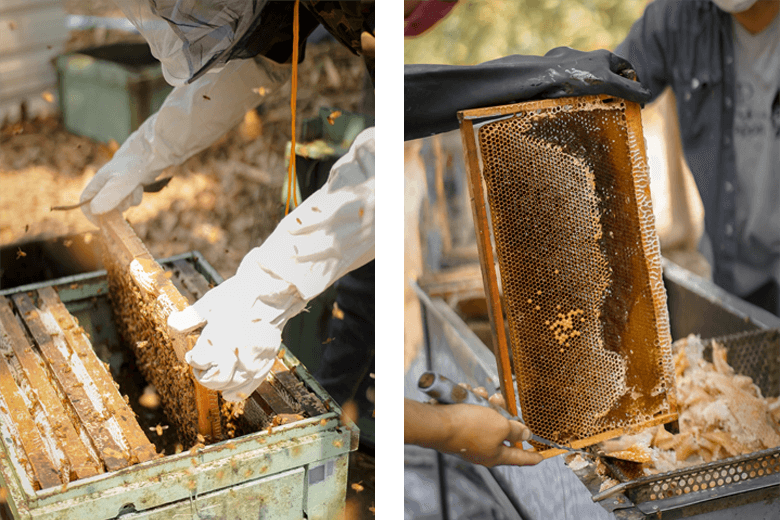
(433, 94)
(192, 117)
(474, 433)
(328, 235)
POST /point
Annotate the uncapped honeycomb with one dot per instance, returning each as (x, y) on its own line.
(723, 413)
(580, 266)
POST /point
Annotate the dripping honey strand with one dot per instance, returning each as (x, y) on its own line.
(293, 98)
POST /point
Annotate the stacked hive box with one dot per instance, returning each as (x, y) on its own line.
(288, 457)
(59, 406)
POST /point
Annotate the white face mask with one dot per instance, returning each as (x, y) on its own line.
(734, 6)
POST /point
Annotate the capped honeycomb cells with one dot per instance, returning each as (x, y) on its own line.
(579, 266)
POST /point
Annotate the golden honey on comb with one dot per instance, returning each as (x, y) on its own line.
(580, 268)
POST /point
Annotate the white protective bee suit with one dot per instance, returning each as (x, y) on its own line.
(328, 235)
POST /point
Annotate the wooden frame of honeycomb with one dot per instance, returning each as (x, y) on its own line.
(566, 188)
(143, 297)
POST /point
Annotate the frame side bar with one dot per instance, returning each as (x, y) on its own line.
(489, 278)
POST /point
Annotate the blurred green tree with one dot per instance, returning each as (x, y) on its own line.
(481, 30)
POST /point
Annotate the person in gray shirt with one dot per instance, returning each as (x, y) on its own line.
(722, 60)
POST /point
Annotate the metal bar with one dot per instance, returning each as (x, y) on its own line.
(139, 444)
(81, 463)
(68, 280)
(475, 357)
(208, 272)
(707, 495)
(614, 490)
(110, 451)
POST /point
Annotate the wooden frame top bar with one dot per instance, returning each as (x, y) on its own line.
(525, 106)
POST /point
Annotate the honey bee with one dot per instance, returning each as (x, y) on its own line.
(333, 116)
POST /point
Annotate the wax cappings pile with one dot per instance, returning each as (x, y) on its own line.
(722, 414)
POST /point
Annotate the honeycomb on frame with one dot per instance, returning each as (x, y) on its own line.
(561, 197)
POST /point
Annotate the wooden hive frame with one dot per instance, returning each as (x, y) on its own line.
(507, 150)
(59, 403)
(143, 296)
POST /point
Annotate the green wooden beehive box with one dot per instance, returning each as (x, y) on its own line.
(287, 472)
(107, 92)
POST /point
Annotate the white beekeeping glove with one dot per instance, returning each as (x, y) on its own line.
(191, 118)
(327, 236)
(237, 347)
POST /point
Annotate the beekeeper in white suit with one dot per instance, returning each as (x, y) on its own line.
(217, 65)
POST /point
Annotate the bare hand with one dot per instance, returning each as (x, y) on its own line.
(477, 434)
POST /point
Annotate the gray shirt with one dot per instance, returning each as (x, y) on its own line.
(757, 143)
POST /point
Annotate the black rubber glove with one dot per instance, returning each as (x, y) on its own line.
(433, 94)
